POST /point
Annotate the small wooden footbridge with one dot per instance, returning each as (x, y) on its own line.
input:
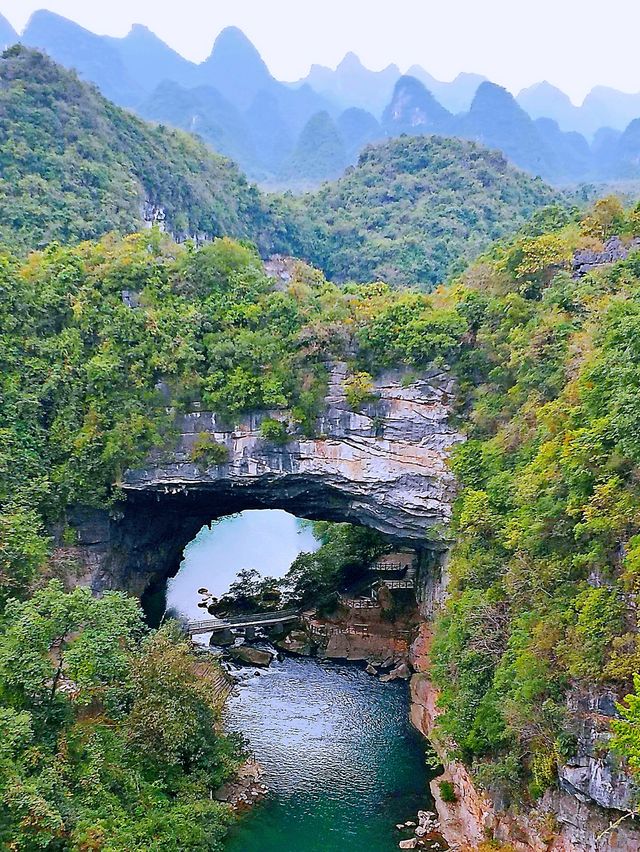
(241, 623)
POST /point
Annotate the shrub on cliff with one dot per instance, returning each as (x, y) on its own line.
(549, 511)
(208, 452)
(626, 730)
(359, 390)
(274, 430)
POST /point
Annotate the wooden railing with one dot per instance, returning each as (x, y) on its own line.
(253, 620)
(327, 630)
(359, 603)
(399, 584)
(220, 683)
(391, 566)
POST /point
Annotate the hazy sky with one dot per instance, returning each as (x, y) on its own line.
(574, 44)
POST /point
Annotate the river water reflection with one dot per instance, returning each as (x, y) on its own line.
(340, 757)
(341, 760)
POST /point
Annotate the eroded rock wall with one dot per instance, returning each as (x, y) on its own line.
(384, 466)
(587, 817)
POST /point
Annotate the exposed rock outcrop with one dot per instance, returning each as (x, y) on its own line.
(384, 466)
(246, 655)
(296, 642)
(573, 819)
(614, 249)
(593, 774)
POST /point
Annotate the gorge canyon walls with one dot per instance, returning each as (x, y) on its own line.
(384, 466)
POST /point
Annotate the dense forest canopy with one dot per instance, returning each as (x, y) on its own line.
(109, 733)
(546, 525)
(73, 166)
(545, 567)
(413, 211)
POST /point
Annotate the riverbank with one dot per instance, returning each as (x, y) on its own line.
(246, 789)
(376, 649)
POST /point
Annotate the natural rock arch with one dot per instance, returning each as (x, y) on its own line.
(385, 466)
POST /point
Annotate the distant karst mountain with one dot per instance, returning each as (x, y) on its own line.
(358, 128)
(75, 166)
(496, 120)
(150, 62)
(353, 85)
(320, 152)
(414, 110)
(236, 69)
(546, 101)
(93, 57)
(602, 107)
(455, 96)
(279, 132)
(205, 112)
(8, 35)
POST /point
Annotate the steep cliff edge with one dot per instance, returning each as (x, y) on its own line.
(584, 815)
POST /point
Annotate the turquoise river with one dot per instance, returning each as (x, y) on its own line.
(342, 763)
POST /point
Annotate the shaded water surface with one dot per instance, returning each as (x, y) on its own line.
(340, 757)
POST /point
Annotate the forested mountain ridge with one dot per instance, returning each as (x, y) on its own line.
(413, 210)
(74, 166)
(544, 573)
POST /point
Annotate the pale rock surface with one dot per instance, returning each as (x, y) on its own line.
(561, 822)
(385, 466)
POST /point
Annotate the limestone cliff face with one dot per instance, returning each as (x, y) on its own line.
(384, 466)
(584, 815)
(593, 774)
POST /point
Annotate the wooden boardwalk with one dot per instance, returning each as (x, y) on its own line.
(220, 682)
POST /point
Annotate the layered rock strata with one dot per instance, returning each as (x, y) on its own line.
(590, 815)
(384, 466)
